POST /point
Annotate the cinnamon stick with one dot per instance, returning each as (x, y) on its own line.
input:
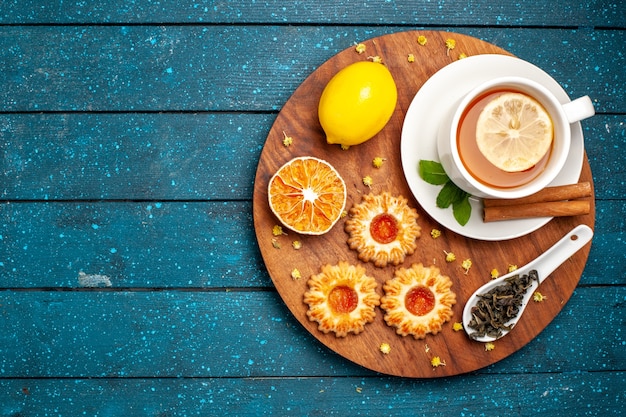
(541, 209)
(557, 193)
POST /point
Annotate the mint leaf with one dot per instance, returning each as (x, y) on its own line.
(462, 209)
(432, 172)
(449, 194)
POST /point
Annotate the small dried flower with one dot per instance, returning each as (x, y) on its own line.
(360, 48)
(275, 244)
(426, 348)
(450, 257)
(378, 162)
(421, 39)
(287, 140)
(376, 59)
(450, 45)
(466, 265)
(436, 361)
(344, 214)
(435, 233)
(494, 273)
(385, 348)
(457, 326)
(462, 55)
(278, 230)
(368, 181)
(359, 389)
(345, 147)
(489, 346)
(295, 274)
(512, 268)
(410, 58)
(538, 297)
(296, 244)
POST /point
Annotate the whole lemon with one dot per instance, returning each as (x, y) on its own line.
(357, 103)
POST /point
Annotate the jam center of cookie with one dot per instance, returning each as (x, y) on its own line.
(384, 228)
(343, 299)
(419, 300)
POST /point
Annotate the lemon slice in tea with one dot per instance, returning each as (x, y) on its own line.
(514, 132)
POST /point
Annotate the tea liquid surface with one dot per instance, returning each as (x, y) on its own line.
(474, 161)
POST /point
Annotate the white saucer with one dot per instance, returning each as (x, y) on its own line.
(419, 139)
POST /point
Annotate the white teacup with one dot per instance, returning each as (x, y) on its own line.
(562, 116)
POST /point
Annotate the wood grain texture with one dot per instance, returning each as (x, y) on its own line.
(129, 245)
(130, 156)
(213, 68)
(599, 13)
(408, 357)
(572, 395)
(185, 156)
(159, 245)
(110, 108)
(100, 333)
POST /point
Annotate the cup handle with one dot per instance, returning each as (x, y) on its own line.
(579, 109)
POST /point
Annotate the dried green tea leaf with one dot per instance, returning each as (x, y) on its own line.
(496, 308)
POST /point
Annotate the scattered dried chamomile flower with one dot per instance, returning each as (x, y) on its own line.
(466, 265)
(368, 181)
(410, 58)
(421, 39)
(436, 361)
(450, 45)
(435, 233)
(295, 274)
(345, 147)
(538, 297)
(376, 59)
(287, 140)
(489, 346)
(450, 257)
(457, 326)
(462, 55)
(512, 268)
(360, 48)
(276, 244)
(377, 162)
(385, 348)
(296, 244)
(494, 273)
(278, 230)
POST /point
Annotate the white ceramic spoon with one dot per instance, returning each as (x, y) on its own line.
(544, 264)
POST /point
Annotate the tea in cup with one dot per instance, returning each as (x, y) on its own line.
(508, 138)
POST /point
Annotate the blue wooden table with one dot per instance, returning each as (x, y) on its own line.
(131, 282)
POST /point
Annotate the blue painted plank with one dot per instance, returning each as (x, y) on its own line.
(136, 334)
(180, 156)
(572, 13)
(571, 395)
(149, 245)
(198, 68)
(185, 245)
(130, 156)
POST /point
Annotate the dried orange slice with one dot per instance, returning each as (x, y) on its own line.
(514, 132)
(307, 195)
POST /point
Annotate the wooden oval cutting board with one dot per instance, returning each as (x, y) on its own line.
(408, 357)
